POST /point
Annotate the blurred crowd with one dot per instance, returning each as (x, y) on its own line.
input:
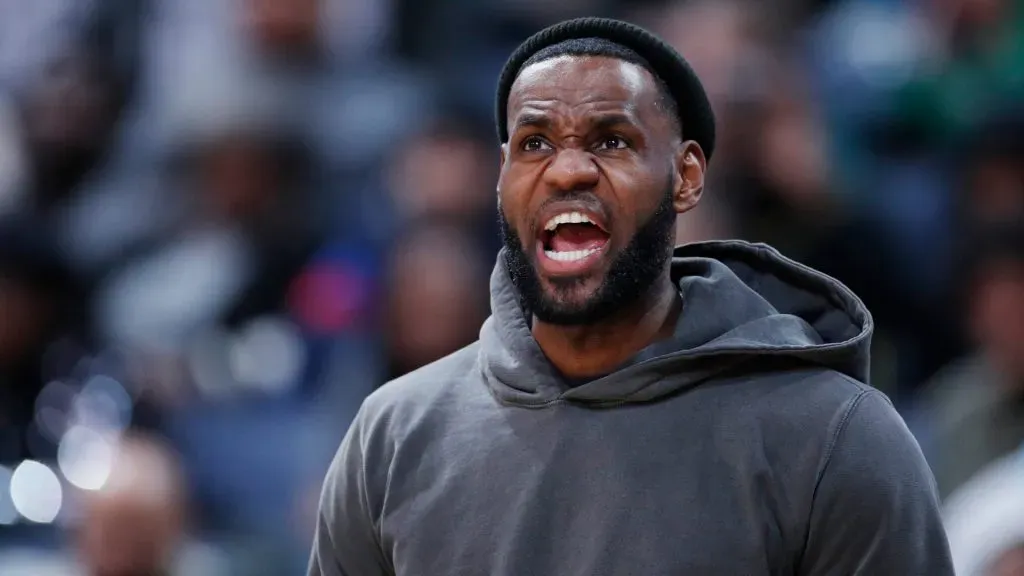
(224, 222)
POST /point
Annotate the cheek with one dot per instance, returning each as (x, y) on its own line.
(632, 200)
(514, 197)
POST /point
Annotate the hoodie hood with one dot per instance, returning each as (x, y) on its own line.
(741, 302)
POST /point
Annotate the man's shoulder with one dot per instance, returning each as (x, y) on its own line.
(809, 421)
(802, 411)
(840, 416)
(802, 392)
(836, 397)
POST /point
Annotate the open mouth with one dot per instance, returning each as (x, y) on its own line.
(572, 238)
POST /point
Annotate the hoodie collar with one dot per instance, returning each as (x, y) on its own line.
(741, 302)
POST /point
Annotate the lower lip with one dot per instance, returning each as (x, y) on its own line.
(568, 268)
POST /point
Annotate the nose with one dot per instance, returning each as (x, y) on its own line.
(571, 170)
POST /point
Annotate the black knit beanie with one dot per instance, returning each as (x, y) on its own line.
(698, 121)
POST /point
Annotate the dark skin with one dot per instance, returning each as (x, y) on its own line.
(596, 125)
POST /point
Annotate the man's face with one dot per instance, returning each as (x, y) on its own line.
(592, 178)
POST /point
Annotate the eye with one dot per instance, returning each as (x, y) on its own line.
(535, 144)
(612, 143)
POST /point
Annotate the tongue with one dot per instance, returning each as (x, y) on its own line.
(572, 237)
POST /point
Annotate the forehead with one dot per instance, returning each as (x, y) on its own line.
(578, 83)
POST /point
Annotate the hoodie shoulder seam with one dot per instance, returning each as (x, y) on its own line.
(861, 387)
(834, 439)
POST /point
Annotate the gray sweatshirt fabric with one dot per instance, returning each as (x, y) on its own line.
(748, 444)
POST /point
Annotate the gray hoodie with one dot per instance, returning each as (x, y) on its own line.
(747, 444)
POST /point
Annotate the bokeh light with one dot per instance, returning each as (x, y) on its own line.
(53, 405)
(267, 355)
(85, 457)
(36, 492)
(104, 403)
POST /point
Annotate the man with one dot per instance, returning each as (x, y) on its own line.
(970, 414)
(629, 409)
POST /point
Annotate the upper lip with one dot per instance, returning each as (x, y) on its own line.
(592, 212)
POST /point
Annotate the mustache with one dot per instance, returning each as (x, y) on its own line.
(584, 199)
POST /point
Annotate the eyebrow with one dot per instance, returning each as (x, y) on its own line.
(532, 120)
(611, 120)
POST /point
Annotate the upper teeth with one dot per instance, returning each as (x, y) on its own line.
(567, 218)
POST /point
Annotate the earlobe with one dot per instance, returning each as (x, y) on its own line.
(690, 177)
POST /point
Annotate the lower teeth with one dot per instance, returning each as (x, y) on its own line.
(569, 256)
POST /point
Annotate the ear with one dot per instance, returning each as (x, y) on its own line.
(690, 165)
(503, 157)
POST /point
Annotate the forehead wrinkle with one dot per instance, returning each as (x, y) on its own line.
(550, 109)
(634, 83)
(598, 107)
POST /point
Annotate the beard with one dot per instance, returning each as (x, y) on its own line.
(633, 272)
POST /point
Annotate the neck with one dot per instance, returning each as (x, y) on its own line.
(596, 349)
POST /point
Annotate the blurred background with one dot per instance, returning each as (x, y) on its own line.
(224, 222)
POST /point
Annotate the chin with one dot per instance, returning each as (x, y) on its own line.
(572, 290)
(568, 302)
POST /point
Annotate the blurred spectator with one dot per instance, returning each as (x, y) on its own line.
(285, 27)
(447, 171)
(69, 116)
(338, 31)
(135, 524)
(73, 90)
(725, 44)
(38, 301)
(894, 178)
(240, 237)
(22, 54)
(974, 409)
(780, 172)
(72, 100)
(974, 73)
(435, 301)
(250, 462)
(994, 175)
